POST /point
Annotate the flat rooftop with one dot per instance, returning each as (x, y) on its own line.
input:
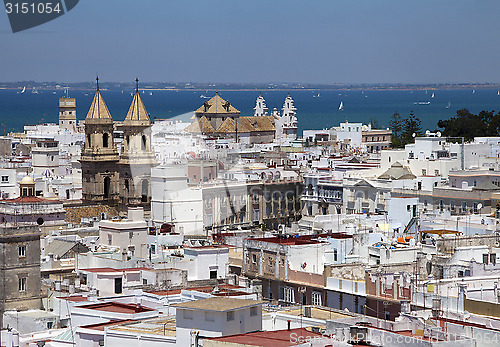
(117, 307)
(220, 304)
(279, 338)
(165, 326)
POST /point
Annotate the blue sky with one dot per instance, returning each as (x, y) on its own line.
(318, 41)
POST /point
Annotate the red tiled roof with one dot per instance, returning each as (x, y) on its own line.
(76, 298)
(166, 292)
(279, 338)
(117, 307)
(297, 240)
(101, 326)
(29, 200)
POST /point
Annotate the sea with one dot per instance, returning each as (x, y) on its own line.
(316, 109)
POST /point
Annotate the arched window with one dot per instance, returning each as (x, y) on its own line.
(89, 143)
(105, 140)
(144, 142)
(128, 141)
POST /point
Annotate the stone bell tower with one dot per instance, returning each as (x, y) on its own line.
(99, 158)
(137, 158)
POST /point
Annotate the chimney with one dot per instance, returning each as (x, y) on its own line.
(135, 213)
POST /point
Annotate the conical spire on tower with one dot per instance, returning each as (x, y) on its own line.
(98, 108)
(137, 113)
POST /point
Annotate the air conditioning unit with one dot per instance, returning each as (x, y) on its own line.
(358, 335)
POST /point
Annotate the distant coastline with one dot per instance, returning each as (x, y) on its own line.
(212, 87)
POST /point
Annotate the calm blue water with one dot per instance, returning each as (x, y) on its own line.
(16, 110)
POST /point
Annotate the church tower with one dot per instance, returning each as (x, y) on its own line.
(136, 158)
(99, 158)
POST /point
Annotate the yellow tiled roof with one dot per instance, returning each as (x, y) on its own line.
(98, 108)
(137, 111)
(247, 124)
(217, 105)
(262, 123)
(201, 126)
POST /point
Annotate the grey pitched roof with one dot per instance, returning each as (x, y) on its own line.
(60, 247)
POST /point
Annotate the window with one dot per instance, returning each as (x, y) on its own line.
(464, 206)
(110, 239)
(22, 284)
(493, 258)
(316, 298)
(436, 172)
(253, 311)
(187, 314)
(105, 140)
(230, 316)
(475, 207)
(452, 205)
(335, 254)
(289, 294)
(209, 316)
(144, 281)
(50, 325)
(5, 178)
(424, 172)
(485, 258)
(254, 258)
(213, 274)
(21, 251)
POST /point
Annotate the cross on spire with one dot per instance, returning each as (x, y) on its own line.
(136, 85)
(97, 80)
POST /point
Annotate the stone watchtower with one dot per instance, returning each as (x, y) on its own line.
(67, 114)
(99, 157)
(136, 158)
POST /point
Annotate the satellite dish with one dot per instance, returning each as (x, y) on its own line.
(438, 134)
(427, 133)
(413, 134)
(479, 206)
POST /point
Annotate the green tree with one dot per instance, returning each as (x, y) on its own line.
(375, 124)
(411, 125)
(469, 125)
(396, 125)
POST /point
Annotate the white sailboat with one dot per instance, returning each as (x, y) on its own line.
(473, 91)
(498, 92)
(432, 95)
(449, 104)
(150, 93)
(24, 89)
(341, 106)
